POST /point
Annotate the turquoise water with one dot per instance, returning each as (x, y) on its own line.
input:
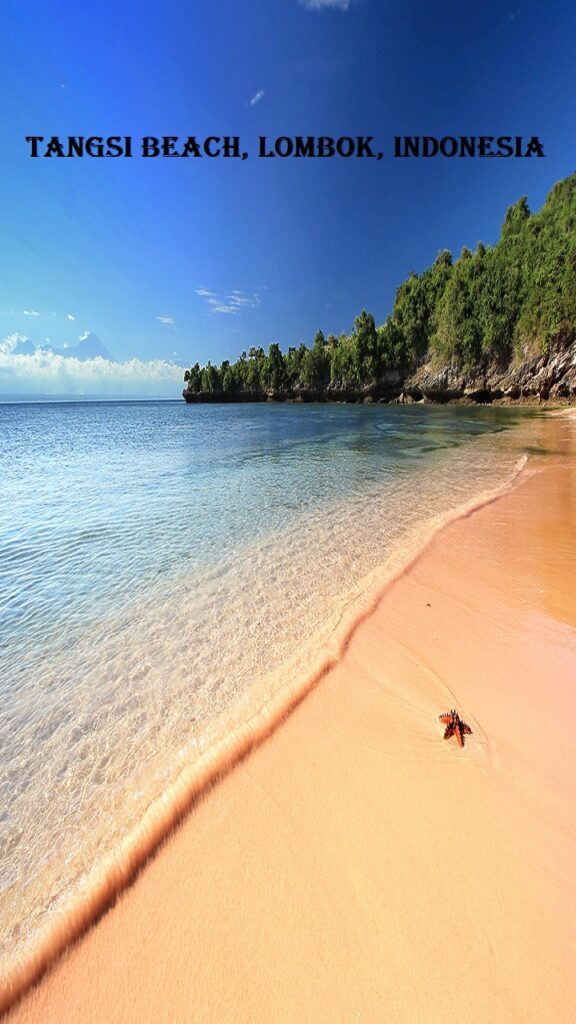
(155, 560)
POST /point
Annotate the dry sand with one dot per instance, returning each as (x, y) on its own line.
(356, 867)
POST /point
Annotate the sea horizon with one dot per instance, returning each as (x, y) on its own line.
(77, 399)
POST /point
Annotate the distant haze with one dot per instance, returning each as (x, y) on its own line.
(87, 369)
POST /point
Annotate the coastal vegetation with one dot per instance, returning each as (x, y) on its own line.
(490, 309)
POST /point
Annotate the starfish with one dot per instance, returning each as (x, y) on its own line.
(455, 727)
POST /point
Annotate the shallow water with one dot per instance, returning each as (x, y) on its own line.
(155, 560)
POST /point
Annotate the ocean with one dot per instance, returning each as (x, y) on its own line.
(164, 569)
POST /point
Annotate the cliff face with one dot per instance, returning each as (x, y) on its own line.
(543, 378)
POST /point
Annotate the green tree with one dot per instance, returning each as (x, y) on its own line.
(315, 368)
(209, 379)
(366, 349)
(275, 369)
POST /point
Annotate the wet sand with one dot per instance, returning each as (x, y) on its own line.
(356, 867)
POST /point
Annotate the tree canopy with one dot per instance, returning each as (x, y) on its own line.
(511, 299)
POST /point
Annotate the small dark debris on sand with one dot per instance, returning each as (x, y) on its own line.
(455, 727)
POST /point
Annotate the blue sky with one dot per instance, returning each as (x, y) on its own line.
(282, 247)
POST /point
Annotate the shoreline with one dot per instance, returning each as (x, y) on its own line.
(272, 699)
(374, 397)
(253, 742)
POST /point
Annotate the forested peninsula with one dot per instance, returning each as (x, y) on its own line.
(495, 325)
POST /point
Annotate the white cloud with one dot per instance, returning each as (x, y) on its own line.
(242, 299)
(322, 5)
(232, 304)
(83, 336)
(11, 341)
(256, 99)
(31, 312)
(70, 317)
(47, 372)
(166, 320)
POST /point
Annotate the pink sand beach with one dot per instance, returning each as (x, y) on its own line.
(355, 866)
